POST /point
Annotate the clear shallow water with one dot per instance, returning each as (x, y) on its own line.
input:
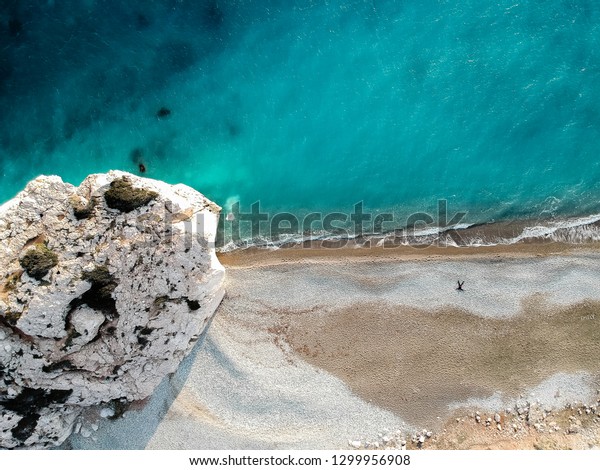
(310, 105)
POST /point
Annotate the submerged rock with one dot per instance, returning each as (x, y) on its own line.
(97, 307)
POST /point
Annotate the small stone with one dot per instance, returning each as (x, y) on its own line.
(107, 413)
(428, 434)
(499, 427)
(421, 439)
(573, 429)
(355, 444)
(497, 418)
(477, 418)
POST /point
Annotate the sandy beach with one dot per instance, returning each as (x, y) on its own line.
(312, 348)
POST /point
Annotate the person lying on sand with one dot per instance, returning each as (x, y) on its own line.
(460, 286)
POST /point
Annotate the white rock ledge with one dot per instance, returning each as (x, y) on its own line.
(128, 296)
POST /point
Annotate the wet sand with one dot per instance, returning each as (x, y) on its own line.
(418, 363)
(255, 257)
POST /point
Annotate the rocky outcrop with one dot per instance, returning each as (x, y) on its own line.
(104, 288)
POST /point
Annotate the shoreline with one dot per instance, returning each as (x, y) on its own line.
(567, 230)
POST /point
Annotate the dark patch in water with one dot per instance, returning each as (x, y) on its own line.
(141, 21)
(175, 57)
(137, 157)
(78, 120)
(159, 149)
(15, 27)
(6, 71)
(212, 16)
(137, 154)
(233, 129)
(163, 113)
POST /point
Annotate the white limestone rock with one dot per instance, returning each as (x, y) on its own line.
(86, 321)
(107, 413)
(101, 295)
(355, 444)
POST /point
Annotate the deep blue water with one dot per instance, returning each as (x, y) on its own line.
(312, 105)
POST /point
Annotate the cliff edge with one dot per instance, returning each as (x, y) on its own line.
(104, 288)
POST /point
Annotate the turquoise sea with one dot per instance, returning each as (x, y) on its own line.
(312, 105)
